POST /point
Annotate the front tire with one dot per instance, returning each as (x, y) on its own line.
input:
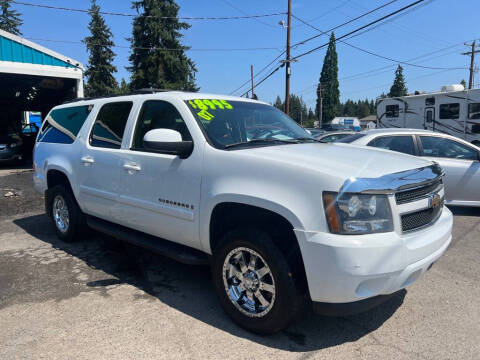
(254, 282)
(67, 218)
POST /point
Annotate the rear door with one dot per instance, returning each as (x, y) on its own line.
(401, 143)
(100, 161)
(460, 163)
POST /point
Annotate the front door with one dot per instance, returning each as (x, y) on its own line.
(160, 193)
(460, 163)
(100, 161)
(429, 118)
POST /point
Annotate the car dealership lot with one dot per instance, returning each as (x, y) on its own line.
(100, 299)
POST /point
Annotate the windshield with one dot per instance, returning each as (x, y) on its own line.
(229, 124)
(351, 138)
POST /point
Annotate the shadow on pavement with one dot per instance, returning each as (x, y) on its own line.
(465, 211)
(188, 289)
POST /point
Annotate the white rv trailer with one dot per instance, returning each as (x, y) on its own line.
(453, 111)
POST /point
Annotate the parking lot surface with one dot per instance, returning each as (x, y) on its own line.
(101, 299)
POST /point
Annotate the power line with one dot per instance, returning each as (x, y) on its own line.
(155, 48)
(314, 37)
(346, 23)
(378, 55)
(361, 28)
(248, 16)
(345, 35)
(86, 11)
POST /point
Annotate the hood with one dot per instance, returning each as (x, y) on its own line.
(339, 160)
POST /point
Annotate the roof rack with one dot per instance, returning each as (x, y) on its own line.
(135, 92)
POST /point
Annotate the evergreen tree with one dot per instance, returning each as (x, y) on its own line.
(10, 19)
(99, 46)
(398, 88)
(329, 83)
(151, 64)
(464, 83)
(278, 103)
(124, 88)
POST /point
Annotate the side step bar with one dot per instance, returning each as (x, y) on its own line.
(159, 246)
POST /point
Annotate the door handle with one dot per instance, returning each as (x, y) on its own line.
(87, 160)
(132, 167)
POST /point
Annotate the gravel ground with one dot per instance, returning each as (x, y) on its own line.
(100, 299)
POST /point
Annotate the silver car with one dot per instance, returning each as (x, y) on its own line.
(459, 159)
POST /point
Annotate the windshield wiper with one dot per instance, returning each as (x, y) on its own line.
(306, 139)
(260, 141)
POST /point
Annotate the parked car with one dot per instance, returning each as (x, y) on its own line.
(315, 132)
(11, 146)
(236, 183)
(458, 158)
(334, 136)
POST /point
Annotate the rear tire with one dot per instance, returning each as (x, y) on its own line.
(67, 218)
(259, 295)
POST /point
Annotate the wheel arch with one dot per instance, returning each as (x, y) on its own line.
(228, 215)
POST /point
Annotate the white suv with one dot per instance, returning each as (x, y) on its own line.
(235, 182)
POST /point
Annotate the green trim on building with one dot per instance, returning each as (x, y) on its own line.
(13, 51)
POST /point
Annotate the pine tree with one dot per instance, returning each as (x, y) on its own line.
(10, 19)
(99, 46)
(329, 83)
(464, 83)
(151, 64)
(124, 88)
(278, 103)
(398, 88)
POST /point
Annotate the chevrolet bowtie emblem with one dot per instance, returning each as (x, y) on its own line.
(434, 201)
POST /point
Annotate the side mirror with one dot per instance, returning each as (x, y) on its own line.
(167, 141)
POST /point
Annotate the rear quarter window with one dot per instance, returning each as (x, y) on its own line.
(63, 125)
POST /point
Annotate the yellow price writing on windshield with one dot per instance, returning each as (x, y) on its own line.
(213, 104)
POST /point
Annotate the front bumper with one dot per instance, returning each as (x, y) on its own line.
(344, 269)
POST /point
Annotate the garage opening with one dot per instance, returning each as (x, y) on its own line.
(33, 79)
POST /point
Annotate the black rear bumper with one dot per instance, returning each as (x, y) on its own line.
(352, 308)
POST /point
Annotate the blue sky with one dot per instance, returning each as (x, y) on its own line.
(439, 27)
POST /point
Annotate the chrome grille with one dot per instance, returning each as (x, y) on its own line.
(422, 218)
(407, 196)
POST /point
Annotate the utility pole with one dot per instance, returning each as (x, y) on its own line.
(287, 60)
(472, 62)
(253, 87)
(320, 108)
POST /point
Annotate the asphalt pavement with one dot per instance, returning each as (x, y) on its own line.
(101, 299)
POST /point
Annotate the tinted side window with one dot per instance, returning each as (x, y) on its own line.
(474, 111)
(450, 111)
(430, 101)
(157, 114)
(403, 144)
(440, 147)
(110, 124)
(62, 125)
(392, 111)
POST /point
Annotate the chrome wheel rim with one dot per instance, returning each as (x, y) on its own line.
(249, 282)
(60, 214)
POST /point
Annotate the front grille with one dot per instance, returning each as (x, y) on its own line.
(419, 219)
(406, 196)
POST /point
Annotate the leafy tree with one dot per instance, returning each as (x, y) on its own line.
(100, 62)
(156, 29)
(329, 83)
(464, 83)
(398, 88)
(10, 19)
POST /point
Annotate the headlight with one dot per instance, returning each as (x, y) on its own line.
(353, 214)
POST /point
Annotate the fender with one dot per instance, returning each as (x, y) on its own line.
(206, 213)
